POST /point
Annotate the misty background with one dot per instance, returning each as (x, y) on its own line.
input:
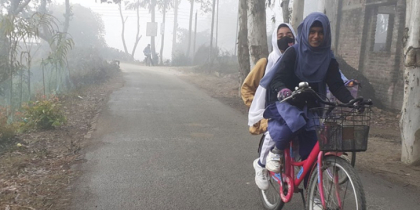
(226, 23)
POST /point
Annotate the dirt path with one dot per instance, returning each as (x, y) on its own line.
(384, 147)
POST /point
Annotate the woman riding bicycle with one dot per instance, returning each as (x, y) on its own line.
(312, 61)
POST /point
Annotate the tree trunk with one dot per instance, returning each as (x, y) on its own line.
(217, 24)
(46, 33)
(211, 32)
(190, 28)
(29, 76)
(410, 112)
(11, 70)
(163, 34)
(243, 51)
(17, 6)
(297, 13)
(321, 6)
(257, 32)
(136, 42)
(43, 76)
(123, 28)
(175, 27)
(235, 52)
(195, 38)
(67, 16)
(152, 38)
(285, 11)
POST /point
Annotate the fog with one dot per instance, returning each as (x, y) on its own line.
(112, 21)
(227, 23)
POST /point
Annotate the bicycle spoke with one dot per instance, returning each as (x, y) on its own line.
(271, 197)
(342, 188)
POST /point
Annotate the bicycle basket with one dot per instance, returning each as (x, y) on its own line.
(342, 130)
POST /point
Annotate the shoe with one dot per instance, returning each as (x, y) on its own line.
(317, 204)
(273, 162)
(261, 176)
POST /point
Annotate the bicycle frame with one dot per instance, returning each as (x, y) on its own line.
(288, 174)
(287, 179)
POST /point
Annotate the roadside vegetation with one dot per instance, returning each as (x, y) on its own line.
(43, 59)
(53, 81)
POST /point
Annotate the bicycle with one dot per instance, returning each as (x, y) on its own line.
(340, 128)
(148, 60)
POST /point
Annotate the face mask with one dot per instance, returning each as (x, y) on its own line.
(285, 43)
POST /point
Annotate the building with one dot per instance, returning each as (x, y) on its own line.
(368, 35)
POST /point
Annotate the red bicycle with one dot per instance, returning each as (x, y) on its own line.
(333, 182)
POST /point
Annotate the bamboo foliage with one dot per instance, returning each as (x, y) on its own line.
(14, 30)
(57, 59)
(17, 34)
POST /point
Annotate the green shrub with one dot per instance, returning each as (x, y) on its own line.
(43, 114)
(180, 59)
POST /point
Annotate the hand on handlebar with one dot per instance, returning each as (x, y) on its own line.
(358, 105)
(285, 92)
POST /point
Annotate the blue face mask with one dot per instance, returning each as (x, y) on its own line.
(285, 43)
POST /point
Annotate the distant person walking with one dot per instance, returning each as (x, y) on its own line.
(148, 53)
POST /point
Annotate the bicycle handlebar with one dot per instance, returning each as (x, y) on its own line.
(304, 88)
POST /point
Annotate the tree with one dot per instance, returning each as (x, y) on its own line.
(152, 38)
(297, 13)
(410, 112)
(243, 50)
(176, 2)
(163, 5)
(257, 32)
(285, 9)
(135, 6)
(211, 33)
(87, 28)
(131, 5)
(123, 27)
(19, 27)
(59, 44)
(205, 6)
(321, 6)
(190, 27)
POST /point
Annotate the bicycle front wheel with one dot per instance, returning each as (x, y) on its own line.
(341, 184)
(271, 197)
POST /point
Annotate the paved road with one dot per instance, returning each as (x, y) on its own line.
(163, 144)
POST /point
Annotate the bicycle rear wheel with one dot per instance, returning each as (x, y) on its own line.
(271, 197)
(343, 191)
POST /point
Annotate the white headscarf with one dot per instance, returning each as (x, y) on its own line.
(275, 54)
(257, 108)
